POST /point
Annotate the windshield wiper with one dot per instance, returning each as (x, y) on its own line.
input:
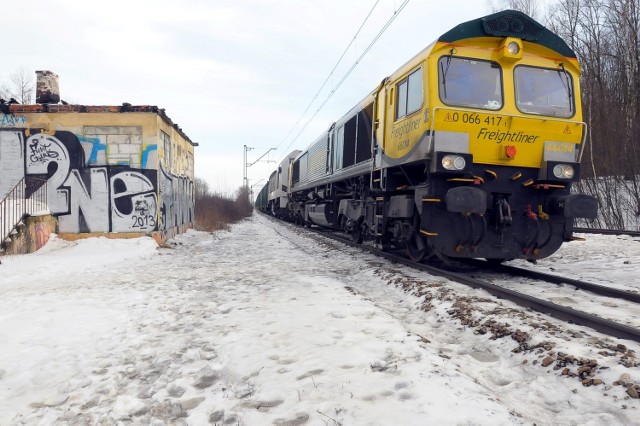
(445, 71)
(567, 85)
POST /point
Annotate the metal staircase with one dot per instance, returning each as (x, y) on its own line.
(20, 202)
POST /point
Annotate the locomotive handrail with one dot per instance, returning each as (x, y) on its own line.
(16, 205)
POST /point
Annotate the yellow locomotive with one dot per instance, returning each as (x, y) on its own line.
(467, 150)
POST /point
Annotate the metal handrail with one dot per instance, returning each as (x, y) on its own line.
(17, 205)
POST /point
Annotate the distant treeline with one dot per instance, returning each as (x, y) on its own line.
(605, 34)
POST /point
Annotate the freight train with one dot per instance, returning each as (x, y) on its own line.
(469, 150)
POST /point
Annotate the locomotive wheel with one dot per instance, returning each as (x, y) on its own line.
(356, 234)
(416, 247)
(343, 223)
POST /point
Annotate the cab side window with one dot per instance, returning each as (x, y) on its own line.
(409, 94)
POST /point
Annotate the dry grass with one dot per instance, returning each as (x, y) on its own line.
(215, 212)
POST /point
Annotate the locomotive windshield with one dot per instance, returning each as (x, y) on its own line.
(544, 91)
(470, 83)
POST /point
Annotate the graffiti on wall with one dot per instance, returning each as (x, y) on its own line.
(42, 233)
(12, 120)
(175, 205)
(90, 190)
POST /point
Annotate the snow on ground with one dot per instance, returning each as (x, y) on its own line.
(618, 256)
(267, 324)
(612, 261)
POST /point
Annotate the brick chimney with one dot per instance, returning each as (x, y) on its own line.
(47, 88)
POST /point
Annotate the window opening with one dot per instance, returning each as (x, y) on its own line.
(410, 94)
(363, 150)
(470, 83)
(350, 134)
(339, 148)
(544, 91)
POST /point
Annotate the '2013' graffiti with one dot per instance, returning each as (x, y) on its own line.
(144, 217)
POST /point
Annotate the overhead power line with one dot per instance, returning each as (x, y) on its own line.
(353, 39)
(346, 75)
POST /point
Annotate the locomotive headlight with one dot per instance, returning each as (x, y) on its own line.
(513, 48)
(453, 162)
(563, 171)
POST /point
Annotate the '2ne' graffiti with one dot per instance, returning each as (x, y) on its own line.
(91, 197)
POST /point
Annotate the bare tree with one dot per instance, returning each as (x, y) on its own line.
(5, 93)
(563, 20)
(623, 17)
(201, 188)
(529, 7)
(20, 86)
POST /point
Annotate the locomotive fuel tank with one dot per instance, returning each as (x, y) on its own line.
(320, 214)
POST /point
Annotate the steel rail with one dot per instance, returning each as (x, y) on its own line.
(556, 279)
(564, 313)
(607, 231)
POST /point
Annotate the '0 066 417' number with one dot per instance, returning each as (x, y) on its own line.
(473, 118)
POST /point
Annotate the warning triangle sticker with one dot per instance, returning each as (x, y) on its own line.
(448, 118)
(567, 130)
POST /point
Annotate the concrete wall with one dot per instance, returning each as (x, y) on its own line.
(106, 171)
(32, 236)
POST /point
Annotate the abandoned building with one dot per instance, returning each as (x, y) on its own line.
(109, 170)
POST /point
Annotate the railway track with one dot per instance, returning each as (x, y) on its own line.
(607, 232)
(560, 280)
(564, 313)
(560, 312)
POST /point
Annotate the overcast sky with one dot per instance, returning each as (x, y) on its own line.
(230, 73)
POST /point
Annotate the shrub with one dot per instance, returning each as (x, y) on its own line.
(215, 211)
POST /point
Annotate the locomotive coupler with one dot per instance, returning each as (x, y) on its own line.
(504, 213)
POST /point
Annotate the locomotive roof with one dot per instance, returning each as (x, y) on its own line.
(508, 23)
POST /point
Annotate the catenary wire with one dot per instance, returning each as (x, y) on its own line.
(355, 64)
(353, 39)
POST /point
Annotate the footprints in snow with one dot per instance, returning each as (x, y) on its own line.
(310, 374)
(400, 391)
